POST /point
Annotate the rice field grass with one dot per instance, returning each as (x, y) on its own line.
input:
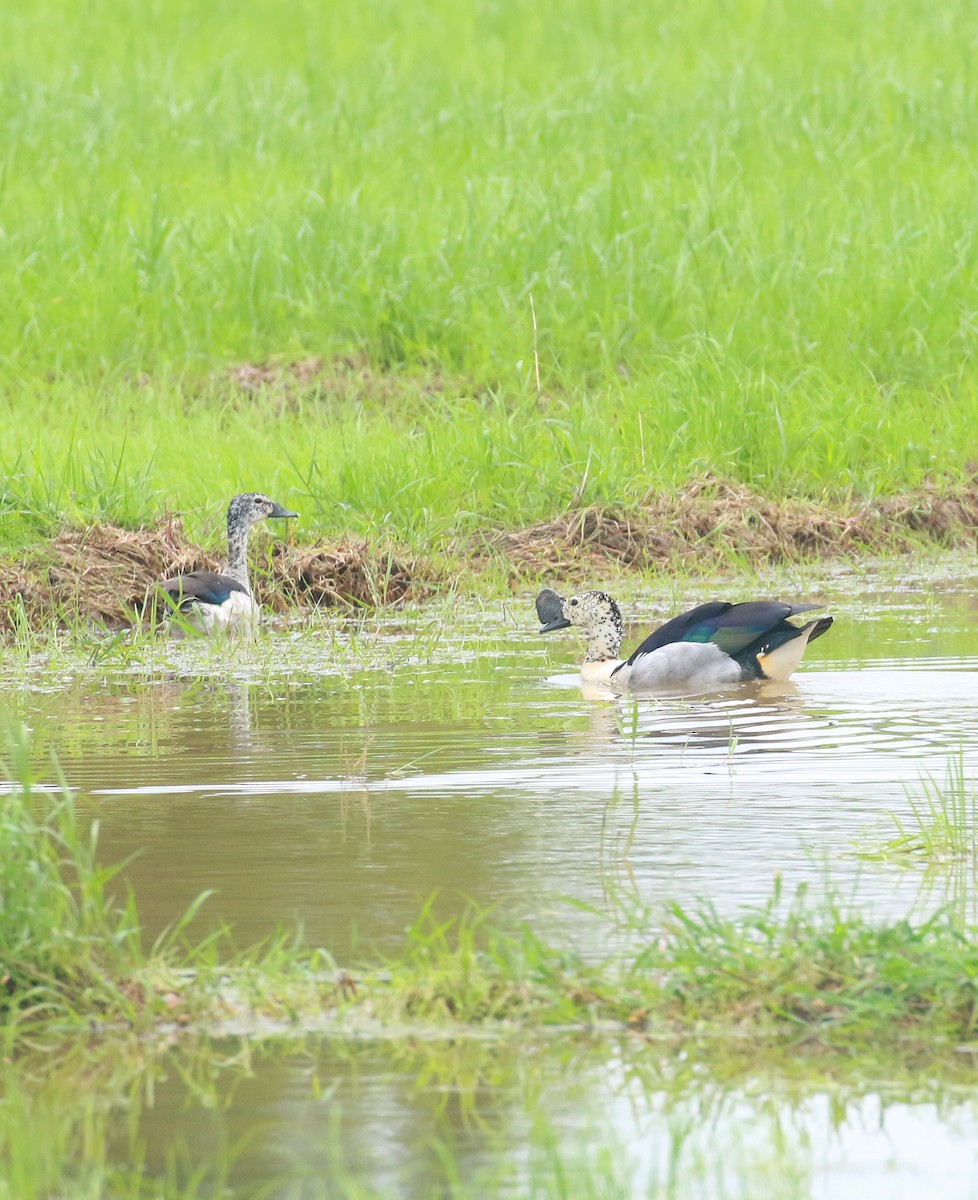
(424, 270)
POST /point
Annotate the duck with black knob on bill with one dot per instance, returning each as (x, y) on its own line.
(716, 644)
(215, 602)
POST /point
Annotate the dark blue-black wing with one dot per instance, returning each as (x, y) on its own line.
(205, 587)
(735, 628)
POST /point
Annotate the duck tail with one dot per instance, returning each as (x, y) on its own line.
(781, 653)
(818, 627)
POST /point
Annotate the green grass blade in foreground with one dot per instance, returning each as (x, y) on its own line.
(781, 972)
(63, 939)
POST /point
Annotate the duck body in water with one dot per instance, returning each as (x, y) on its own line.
(716, 644)
(214, 602)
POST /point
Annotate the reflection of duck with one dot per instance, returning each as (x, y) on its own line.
(713, 645)
(210, 602)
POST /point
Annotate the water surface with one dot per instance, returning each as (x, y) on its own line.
(339, 774)
(343, 797)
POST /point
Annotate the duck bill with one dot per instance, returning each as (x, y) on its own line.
(550, 611)
(556, 623)
(279, 511)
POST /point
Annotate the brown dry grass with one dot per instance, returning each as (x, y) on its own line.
(348, 573)
(105, 574)
(712, 522)
(102, 573)
(108, 575)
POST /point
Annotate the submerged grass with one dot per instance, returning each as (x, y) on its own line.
(937, 840)
(491, 1126)
(941, 829)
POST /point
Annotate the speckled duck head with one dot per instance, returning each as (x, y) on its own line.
(596, 615)
(243, 512)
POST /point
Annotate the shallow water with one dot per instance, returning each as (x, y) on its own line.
(565, 1119)
(309, 782)
(342, 797)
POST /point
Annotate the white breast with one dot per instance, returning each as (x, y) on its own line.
(680, 665)
(238, 615)
(600, 672)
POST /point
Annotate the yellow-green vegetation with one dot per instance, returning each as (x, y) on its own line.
(502, 259)
(64, 943)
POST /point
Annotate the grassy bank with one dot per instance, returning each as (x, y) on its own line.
(747, 233)
(786, 974)
(105, 576)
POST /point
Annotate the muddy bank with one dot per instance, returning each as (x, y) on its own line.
(105, 574)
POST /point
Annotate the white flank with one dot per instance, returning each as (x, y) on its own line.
(681, 665)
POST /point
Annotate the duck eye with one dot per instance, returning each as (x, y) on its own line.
(573, 604)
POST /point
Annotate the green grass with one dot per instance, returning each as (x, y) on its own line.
(63, 941)
(70, 951)
(941, 828)
(937, 840)
(785, 972)
(746, 230)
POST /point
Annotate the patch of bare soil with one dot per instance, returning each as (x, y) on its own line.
(712, 522)
(108, 575)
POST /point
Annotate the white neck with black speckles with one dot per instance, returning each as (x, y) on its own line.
(238, 552)
(605, 642)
